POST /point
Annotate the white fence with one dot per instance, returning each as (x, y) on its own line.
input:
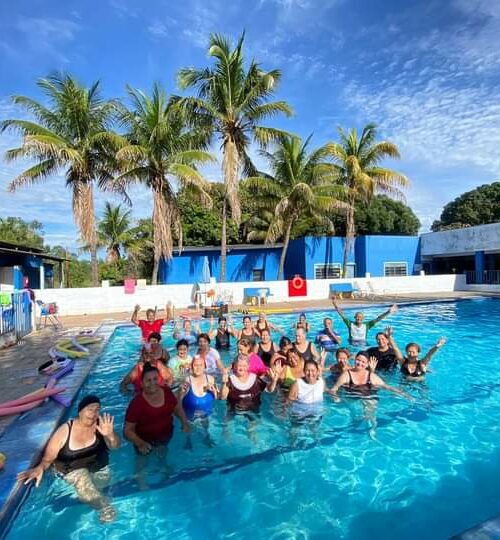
(113, 299)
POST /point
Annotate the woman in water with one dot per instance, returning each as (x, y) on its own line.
(342, 356)
(302, 323)
(292, 369)
(266, 349)
(285, 344)
(198, 392)
(187, 332)
(248, 331)
(361, 381)
(255, 363)
(263, 324)
(310, 388)
(153, 349)
(304, 347)
(242, 389)
(211, 357)
(181, 362)
(411, 367)
(134, 376)
(78, 452)
(221, 334)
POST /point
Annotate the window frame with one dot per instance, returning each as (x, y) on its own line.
(394, 263)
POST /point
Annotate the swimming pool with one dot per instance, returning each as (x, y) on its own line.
(431, 470)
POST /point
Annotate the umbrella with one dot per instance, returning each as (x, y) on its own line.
(205, 271)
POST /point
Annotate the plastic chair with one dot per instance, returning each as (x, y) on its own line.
(48, 312)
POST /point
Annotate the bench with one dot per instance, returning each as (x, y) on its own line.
(338, 289)
(259, 293)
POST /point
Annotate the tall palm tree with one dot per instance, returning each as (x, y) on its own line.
(301, 183)
(357, 162)
(70, 134)
(230, 105)
(114, 231)
(159, 151)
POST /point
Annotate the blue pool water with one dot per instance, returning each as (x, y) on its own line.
(431, 470)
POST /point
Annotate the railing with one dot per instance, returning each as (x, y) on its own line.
(15, 313)
(487, 277)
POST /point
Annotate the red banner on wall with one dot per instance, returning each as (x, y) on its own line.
(297, 286)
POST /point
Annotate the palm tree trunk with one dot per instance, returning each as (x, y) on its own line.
(349, 235)
(223, 242)
(162, 227)
(84, 214)
(286, 241)
(156, 266)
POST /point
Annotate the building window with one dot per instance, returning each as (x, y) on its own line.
(327, 271)
(258, 274)
(395, 269)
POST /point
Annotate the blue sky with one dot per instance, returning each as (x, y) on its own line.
(427, 72)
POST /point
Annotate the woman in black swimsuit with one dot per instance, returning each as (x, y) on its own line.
(361, 381)
(222, 335)
(411, 367)
(248, 331)
(266, 349)
(306, 348)
(78, 450)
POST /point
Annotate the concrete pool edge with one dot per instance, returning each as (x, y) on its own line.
(49, 415)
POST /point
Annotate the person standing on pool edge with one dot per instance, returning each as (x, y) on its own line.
(151, 323)
(358, 330)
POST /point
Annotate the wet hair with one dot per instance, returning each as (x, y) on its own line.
(362, 353)
(246, 342)
(203, 336)
(154, 335)
(247, 318)
(413, 345)
(182, 342)
(284, 341)
(265, 330)
(327, 319)
(148, 368)
(380, 334)
(220, 319)
(302, 315)
(148, 311)
(345, 351)
(312, 363)
(359, 313)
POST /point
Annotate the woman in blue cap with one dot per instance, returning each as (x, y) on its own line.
(78, 452)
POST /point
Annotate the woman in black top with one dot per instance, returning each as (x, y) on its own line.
(266, 349)
(78, 450)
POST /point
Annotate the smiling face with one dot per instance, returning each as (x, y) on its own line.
(262, 317)
(89, 414)
(300, 336)
(203, 345)
(150, 316)
(187, 326)
(243, 346)
(182, 351)
(150, 383)
(412, 352)
(342, 358)
(382, 341)
(293, 358)
(197, 366)
(311, 373)
(358, 318)
(247, 323)
(361, 362)
(265, 337)
(241, 367)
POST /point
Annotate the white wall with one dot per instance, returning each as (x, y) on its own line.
(461, 241)
(482, 288)
(113, 299)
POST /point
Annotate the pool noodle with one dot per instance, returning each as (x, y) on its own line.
(34, 396)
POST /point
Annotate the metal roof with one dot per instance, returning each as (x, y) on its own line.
(230, 247)
(8, 247)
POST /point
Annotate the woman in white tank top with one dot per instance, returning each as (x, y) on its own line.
(310, 388)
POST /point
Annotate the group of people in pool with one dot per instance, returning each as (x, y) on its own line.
(299, 370)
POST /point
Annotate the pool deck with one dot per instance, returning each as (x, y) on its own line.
(23, 441)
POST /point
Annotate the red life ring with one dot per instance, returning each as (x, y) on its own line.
(297, 283)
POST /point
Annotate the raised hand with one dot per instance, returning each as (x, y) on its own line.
(389, 332)
(137, 307)
(106, 425)
(393, 308)
(441, 342)
(372, 363)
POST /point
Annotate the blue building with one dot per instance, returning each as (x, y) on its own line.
(24, 266)
(310, 257)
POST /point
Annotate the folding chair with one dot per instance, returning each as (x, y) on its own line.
(48, 312)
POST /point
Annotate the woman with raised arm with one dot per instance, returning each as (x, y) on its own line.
(248, 331)
(151, 323)
(79, 453)
(411, 367)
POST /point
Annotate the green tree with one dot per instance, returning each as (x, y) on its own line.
(71, 134)
(301, 182)
(357, 161)
(230, 105)
(157, 150)
(24, 233)
(475, 207)
(114, 231)
(384, 215)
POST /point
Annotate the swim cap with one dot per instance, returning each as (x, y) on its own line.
(88, 400)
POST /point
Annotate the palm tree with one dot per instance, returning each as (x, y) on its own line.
(230, 105)
(114, 231)
(70, 134)
(157, 150)
(302, 183)
(357, 163)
